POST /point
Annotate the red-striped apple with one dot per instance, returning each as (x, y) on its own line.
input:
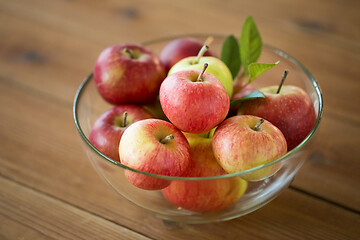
(243, 142)
(153, 146)
(291, 110)
(204, 195)
(108, 128)
(128, 73)
(194, 101)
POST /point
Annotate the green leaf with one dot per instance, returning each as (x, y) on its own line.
(250, 44)
(230, 55)
(250, 96)
(256, 69)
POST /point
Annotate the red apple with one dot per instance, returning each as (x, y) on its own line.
(244, 142)
(240, 93)
(128, 73)
(194, 101)
(204, 195)
(291, 110)
(107, 130)
(153, 146)
(180, 48)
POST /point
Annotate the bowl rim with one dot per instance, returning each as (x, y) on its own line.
(315, 84)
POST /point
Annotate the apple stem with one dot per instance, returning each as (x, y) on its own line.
(167, 139)
(123, 124)
(201, 53)
(208, 41)
(257, 126)
(129, 52)
(282, 81)
(200, 77)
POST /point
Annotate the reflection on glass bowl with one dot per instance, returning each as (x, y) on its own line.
(88, 105)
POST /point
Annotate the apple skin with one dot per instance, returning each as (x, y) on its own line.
(106, 131)
(204, 195)
(178, 49)
(140, 148)
(240, 93)
(155, 109)
(216, 67)
(238, 147)
(194, 106)
(292, 111)
(121, 79)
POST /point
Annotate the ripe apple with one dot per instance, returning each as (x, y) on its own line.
(238, 94)
(204, 195)
(291, 110)
(216, 67)
(155, 109)
(153, 146)
(194, 101)
(108, 128)
(128, 73)
(178, 49)
(244, 142)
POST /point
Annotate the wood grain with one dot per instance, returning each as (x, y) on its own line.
(42, 78)
(48, 218)
(48, 47)
(43, 149)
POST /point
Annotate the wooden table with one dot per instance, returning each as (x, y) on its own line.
(49, 189)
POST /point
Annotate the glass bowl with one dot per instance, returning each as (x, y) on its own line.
(88, 105)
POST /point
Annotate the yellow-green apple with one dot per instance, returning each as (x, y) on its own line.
(204, 195)
(153, 146)
(108, 128)
(243, 142)
(128, 73)
(194, 101)
(291, 110)
(180, 48)
(216, 67)
(155, 109)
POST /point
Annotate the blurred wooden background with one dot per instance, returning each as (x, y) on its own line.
(49, 189)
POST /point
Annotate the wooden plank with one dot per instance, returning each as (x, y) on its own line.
(319, 48)
(13, 229)
(27, 213)
(334, 160)
(43, 217)
(47, 47)
(49, 158)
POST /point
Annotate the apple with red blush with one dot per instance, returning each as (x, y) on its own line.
(153, 146)
(180, 48)
(128, 74)
(194, 101)
(108, 128)
(287, 107)
(244, 142)
(204, 195)
(239, 94)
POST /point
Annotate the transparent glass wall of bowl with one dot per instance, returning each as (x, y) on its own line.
(89, 105)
